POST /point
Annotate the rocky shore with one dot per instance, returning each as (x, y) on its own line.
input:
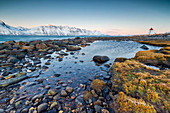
(128, 86)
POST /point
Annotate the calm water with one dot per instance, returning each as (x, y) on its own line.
(81, 72)
(30, 38)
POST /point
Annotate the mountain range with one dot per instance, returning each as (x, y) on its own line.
(46, 30)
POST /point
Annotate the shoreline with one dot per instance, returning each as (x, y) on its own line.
(97, 95)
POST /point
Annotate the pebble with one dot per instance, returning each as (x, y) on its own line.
(63, 93)
(53, 105)
(52, 92)
(64, 85)
(105, 111)
(57, 75)
(47, 87)
(42, 107)
(70, 81)
(107, 77)
(29, 71)
(97, 108)
(69, 89)
(25, 110)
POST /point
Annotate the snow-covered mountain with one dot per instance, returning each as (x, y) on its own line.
(50, 30)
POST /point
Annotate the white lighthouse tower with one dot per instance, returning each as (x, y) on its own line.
(151, 32)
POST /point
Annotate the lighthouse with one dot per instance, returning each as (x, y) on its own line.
(151, 32)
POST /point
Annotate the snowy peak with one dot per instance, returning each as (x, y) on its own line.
(50, 30)
(2, 23)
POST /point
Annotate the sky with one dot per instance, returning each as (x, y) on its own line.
(113, 17)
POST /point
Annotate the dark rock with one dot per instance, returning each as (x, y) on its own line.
(101, 59)
(13, 59)
(57, 75)
(97, 108)
(63, 53)
(107, 77)
(121, 59)
(2, 46)
(37, 97)
(10, 81)
(144, 47)
(42, 107)
(25, 110)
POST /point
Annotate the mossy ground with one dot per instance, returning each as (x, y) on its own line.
(140, 88)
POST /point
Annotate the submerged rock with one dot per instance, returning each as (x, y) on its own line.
(101, 59)
(144, 47)
(63, 93)
(42, 107)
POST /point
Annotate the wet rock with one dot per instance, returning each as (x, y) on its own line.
(25, 110)
(41, 46)
(47, 87)
(144, 47)
(107, 77)
(52, 92)
(57, 75)
(63, 53)
(97, 108)
(37, 97)
(121, 59)
(105, 111)
(10, 42)
(13, 59)
(80, 100)
(47, 63)
(73, 48)
(10, 81)
(29, 48)
(94, 93)
(64, 85)
(101, 59)
(54, 104)
(42, 107)
(98, 85)
(69, 89)
(63, 93)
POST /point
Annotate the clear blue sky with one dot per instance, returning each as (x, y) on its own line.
(108, 16)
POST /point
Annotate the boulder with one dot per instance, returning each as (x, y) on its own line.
(41, 46)
(101, 59)
(73, 48)
(10, 42)
(29, 48)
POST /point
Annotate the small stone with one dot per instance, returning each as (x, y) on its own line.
(98, 108)
(53, 105)
(70, 81)
(69, 89)
(105, 111)
(64, 85)
(47, 63)
(57, 75)
(52, 92)
(42, 107)
(29, 71)
(63, 93)
(47, 87)
(94, 93)
(82, 85)
(107, 77)
(25, 110)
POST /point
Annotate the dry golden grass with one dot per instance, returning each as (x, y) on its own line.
(156, 42)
